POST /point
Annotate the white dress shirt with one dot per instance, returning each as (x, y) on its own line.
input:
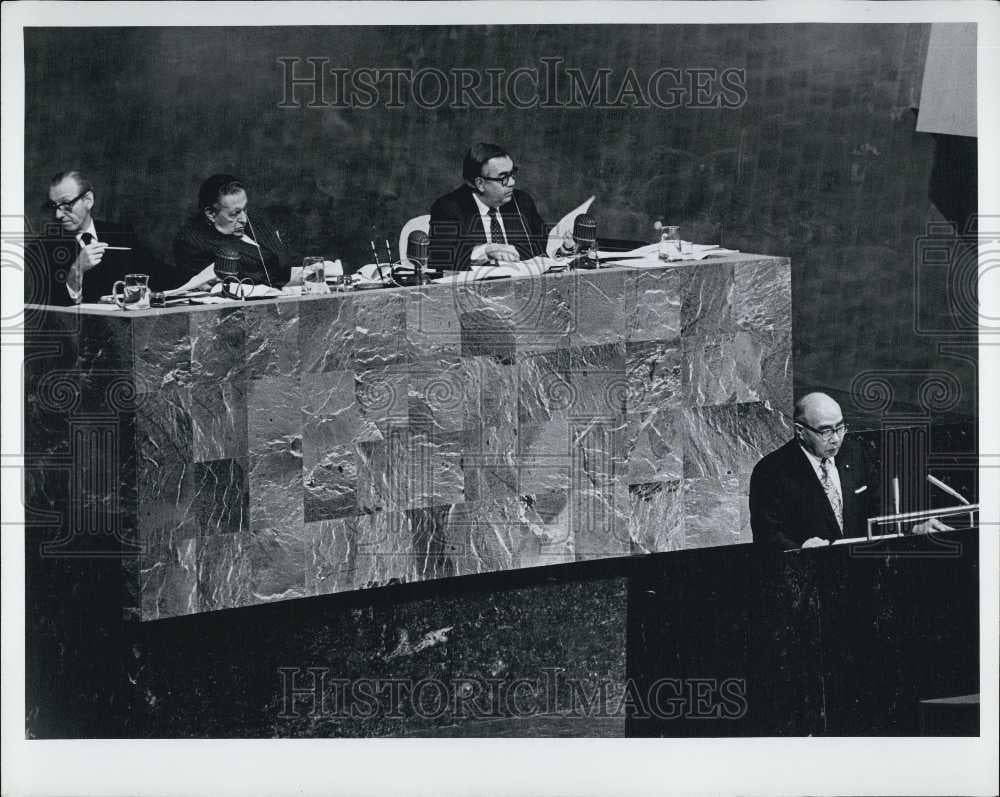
(479, 252)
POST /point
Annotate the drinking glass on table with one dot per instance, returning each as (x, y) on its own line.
(313, 275)
(670, 243)
(133, 293)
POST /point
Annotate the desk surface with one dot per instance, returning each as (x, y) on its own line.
(739, 259)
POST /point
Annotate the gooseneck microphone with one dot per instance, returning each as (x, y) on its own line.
(260, 254)
(531, 246)
(585, 237)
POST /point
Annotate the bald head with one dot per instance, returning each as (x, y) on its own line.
(815, 415)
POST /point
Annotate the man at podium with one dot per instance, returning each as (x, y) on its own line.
(817, 488)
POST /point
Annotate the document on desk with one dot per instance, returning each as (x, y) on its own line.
(648, 256)
(199, 280)
(564, 226)
(536, 266)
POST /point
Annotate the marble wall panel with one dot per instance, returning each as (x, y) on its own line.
(104, 367)
(491, 394)
(763, 296)
(330, 556)
(331, 481)
(550, 515)
(165, 463)
(729, 439)
(274, 425)
(713, 512)
(432, 327)
(433, 468)
(600, 315)
(385, 552)
(272, 340)
(169, 580)
(437, 395)
(544, 457)
(721, 368)
(656, 516)
(488, 313)
(489, 463)
(708, 296)
(382, 396)
(218, 347)
(224, 572)
(219, 420)
(653, 369)
(379, 335)
(775, 387)
(435, 551)
(162, 351)
(331, 413)
(653, 305)
(654, 446)
(277, 561)
(221, 497)
(507, 533)
(326, 328)
(600, 519)
(544, 313)
(545, 391)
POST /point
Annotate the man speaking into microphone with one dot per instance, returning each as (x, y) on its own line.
(816, 489)
(222, 224)
(486, 219)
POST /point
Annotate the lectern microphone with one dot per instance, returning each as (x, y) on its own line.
(416, 249)
(585, 232)
(585, 237)
(945, 488)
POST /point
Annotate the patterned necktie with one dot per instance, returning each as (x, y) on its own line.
(496, 232)
(836, 502)
(87, 239)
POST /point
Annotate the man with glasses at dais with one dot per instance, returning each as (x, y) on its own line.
(816, 488)
(82, 258)
(486, 219)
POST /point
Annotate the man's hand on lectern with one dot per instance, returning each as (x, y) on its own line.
(930, 526)
(497, 253)
(815, 542)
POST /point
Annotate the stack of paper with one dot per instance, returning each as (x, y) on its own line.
(525, 268)
(648, 256)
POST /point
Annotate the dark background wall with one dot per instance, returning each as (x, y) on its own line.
(821, 163)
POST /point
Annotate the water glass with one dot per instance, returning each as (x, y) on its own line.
(313, 275)
(134, 293)
(670, 244)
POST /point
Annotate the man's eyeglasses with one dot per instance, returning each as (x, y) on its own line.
(826, 432)
(65, 207)
(504, 179)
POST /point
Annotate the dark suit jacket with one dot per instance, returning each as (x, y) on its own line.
(456, 228)
(49, 257)
(198, 243)
(788, 505)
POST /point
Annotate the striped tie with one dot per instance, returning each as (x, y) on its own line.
(836, 502)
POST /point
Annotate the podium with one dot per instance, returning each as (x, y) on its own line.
(239, 454)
